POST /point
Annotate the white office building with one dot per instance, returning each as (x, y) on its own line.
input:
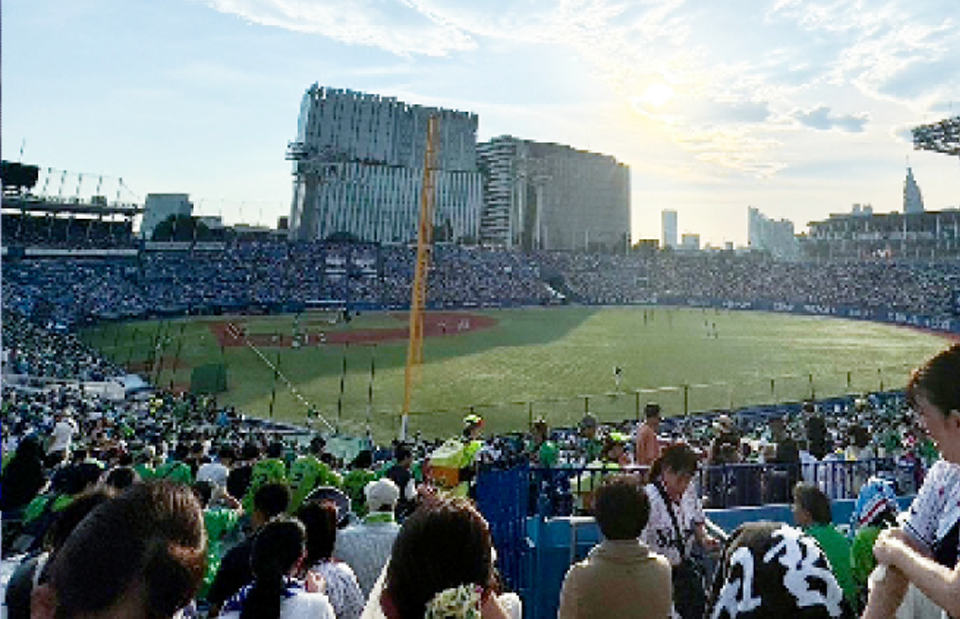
(912, 199)
(550, 196)
(776, 237)
(358, 168)
(690, 242)
(668, 221)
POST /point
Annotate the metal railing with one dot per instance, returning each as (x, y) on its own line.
(567, 490)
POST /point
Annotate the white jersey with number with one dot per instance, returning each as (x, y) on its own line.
(659, 534)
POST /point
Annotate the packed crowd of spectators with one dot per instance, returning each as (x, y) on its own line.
(243, 501)
(914, 286)
(66, 233)
(32, 350)
(272, 276)
(281, 276)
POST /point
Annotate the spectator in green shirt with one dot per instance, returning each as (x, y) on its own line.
(812, 513)
(356, 480)
(143, 464)
(268, 470)
(221, 516)
(308, 472)
(589, 446)
(541, 451)
(176, 469)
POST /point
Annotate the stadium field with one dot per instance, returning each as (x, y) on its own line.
(512, 365)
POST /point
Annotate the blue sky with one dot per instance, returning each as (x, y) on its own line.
(800, 108)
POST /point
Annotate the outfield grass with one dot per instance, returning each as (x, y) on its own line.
(550, 357)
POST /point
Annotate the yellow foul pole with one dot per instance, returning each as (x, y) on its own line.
(418, 299)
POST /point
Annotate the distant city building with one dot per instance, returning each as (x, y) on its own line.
(690, 241)
(160, 206)
(358, 168)
(775, 237)
(647, 246)
(212, 222)
(862, 210)
(668, 220)
(251, 232)
(912, 200)
(924, 235)
(283, 223)
(550, 196)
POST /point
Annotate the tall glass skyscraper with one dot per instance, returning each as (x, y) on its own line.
(549, 196)
(358, 168)
(912, 198)
(668, 220)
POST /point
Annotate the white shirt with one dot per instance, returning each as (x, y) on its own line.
(659, 534)
(63, 434)
(299, 605)
(366, 547)
(936, 507)
(511, 603)
(808, 466)
(342, 588)
(213, 472)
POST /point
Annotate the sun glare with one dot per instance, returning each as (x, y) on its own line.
(657, 95)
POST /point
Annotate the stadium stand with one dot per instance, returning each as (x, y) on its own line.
(537, 522)
(278, 276)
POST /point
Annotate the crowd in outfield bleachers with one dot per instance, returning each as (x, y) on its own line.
(190, 509)
(279, 275)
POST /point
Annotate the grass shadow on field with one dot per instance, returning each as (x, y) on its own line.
(251, 378)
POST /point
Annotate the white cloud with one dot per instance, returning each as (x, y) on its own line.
(822, 119)
(394, 25)
(741, 71)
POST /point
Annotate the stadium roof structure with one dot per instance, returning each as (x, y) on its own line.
(35, 204)
(940, 137)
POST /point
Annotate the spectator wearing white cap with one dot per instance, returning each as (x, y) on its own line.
(366, 546)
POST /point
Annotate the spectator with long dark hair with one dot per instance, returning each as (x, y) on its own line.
(23, 477)
(278, 554)
(924, 552)
(140, 554)
(320, 520)
(677, 524)
(33, 568)
(443, 565)
(270, 501)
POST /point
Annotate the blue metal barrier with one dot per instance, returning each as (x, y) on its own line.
(557, 543)
(538, 535)
(502, 497)
(556, 492)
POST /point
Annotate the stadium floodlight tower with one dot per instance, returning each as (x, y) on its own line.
(940, 137)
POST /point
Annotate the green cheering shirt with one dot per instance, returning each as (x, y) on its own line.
(306, 473)
(264, 472)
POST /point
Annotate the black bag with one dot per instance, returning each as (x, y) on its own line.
(945, 550)
(689, 589)
(689, 594)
